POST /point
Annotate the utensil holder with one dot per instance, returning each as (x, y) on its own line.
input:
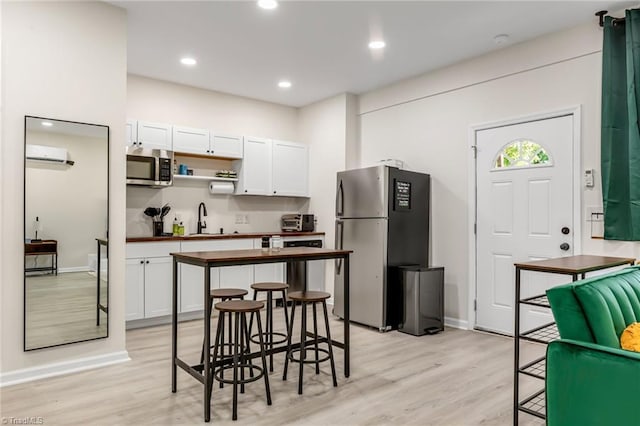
(158, 228)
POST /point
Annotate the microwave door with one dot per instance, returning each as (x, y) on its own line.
(141, 169)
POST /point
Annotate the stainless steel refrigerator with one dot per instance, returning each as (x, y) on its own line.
(382, 214)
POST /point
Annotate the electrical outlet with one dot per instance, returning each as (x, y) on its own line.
(246, 219)
(239, 219)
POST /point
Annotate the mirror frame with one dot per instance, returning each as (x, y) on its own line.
(24, 233)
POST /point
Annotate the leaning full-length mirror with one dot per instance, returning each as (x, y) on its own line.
(66, 178)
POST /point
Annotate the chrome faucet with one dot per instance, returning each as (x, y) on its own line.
(202, 211)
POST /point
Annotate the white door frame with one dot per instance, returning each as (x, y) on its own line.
(576, 112)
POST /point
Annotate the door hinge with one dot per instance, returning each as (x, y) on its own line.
(475, 151)
(475, 305)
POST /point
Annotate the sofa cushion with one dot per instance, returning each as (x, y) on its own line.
(610, 303)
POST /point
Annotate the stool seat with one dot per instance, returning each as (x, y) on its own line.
(239, 306)
(309, 296)
(269, 286)
(226, 293)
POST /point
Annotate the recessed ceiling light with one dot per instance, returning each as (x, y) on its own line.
(501, 38)
(284, 84)
(377, 44)
(188, 61)
(47, 123)
(268, 4)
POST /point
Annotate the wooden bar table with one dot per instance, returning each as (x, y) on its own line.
(574, 266)
(211, 259)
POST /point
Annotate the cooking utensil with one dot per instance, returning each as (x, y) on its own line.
(165, 210)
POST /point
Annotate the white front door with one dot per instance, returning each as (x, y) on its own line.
(524, 212)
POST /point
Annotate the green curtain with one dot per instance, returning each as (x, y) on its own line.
(620, 131)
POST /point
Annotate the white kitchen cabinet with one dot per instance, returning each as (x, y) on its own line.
(192, 287)
(254, 170)
(154, 135)
(290, 169)
(158, 275)
(227, 146)
(131, 136)
(148, 279)
(237, 277)
(134, 289)
(190, 140)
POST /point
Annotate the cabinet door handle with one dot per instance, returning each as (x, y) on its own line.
(142, 262)
(274, 192)
(147, 262)
(246, 190)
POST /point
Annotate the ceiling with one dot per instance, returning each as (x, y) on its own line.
(321, 46)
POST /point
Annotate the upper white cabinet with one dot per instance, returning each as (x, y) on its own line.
(204, 142)
(227, 146)
(132, 133)
(144, 134)
(290, 168)
(194, 141)
(254, 171)
(275, 168)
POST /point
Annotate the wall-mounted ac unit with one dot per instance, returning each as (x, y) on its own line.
(46, 153)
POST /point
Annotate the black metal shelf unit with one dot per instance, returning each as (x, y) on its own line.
(535, 403)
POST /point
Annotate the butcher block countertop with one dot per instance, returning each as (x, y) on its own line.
(197, 237)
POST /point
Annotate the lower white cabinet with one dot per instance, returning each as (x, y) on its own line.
(158, 274)
(134, 289)
(148, 287)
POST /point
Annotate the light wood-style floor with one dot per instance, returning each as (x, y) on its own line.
(62, 308)
(453, 378)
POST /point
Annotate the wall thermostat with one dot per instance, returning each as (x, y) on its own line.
(588, 178)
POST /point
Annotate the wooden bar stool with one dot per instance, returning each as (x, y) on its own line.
(223, 294)
(239, 352)
(313, 298)
(271, 288)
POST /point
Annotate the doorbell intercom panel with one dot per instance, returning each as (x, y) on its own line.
(588, 178)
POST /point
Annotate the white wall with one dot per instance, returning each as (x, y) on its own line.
(160, 101)
(323, 125)
(425, 121)
(67, 61)
(52, 195)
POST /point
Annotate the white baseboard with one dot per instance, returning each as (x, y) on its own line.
(456, 323)
(66, 367)
(74, 269)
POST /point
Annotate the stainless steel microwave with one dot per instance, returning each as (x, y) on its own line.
(149, 167)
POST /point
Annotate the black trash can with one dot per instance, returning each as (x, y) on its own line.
(422, 300)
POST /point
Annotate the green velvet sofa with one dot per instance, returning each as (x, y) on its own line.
(590, 380)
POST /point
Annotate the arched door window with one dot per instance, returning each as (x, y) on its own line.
(522, 153)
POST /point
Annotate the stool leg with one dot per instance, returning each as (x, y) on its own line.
(286, 358)
(216, 346)
(264, 361)
(243, 325)
(303, 338)
(286, 313)
(221, 321)
(236, 361)
(247, 334)
(270, 327)
(315, 337)
(326, 321)
(255, 295)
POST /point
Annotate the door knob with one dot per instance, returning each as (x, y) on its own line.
(565, 230)
(564, 246)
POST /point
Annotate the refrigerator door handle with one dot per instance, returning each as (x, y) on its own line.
(339, 243)
(340, 200)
